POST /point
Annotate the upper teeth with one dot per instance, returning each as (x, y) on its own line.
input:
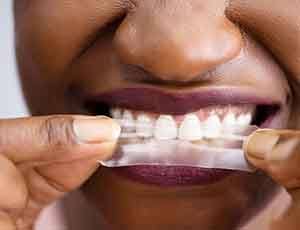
(244, 119)
(128, 121)
(229, 119)
(144, 126)
(116, 113)
(212, 126)
(127, 115)
(165, 128)
(190, 129)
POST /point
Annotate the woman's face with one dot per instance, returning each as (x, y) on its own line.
(159, 57)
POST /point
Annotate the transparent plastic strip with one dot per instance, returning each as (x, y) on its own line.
(224, 137)
(224, 152)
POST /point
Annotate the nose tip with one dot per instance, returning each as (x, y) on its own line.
(178, 52)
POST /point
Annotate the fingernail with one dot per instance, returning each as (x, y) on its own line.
(96, 129)
(260, 143)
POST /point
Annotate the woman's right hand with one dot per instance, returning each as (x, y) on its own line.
(43, 158)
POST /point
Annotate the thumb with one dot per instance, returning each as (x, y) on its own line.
(76, 154)
(52, 138)
(276, 152)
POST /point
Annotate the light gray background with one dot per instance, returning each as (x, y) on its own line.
(11, 100)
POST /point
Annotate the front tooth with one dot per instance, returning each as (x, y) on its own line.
(212, 127)
(127, 115)
(144, 126)
(229, 120)
(165, 128)
(128, 121)
(244, 119)
(190, 128)
(116, 113)
(229, 123)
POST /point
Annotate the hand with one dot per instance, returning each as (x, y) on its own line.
(42, 158)
(277, 153)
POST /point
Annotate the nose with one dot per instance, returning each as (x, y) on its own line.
(177, 40)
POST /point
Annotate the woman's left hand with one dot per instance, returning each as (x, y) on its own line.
(277, 153)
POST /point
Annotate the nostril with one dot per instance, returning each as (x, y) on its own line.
(136, 73)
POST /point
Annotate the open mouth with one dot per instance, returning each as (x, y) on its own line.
(189, 117)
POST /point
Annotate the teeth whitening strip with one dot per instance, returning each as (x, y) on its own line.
(224, 151)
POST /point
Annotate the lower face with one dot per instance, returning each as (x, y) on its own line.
(251, 87)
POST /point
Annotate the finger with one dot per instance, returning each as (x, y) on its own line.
(14, 193)
(277, 152)
(6, 222)
(54, 154)
(49, 182)
(52, 138)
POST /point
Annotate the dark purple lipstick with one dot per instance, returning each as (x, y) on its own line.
(178, 103)
(173, 175)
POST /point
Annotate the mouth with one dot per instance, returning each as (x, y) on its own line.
(187, 116)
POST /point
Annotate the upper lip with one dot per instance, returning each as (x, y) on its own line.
(180, 102)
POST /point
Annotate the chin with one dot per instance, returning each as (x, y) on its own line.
(228, 203)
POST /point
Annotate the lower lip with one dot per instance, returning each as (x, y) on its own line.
(173, 175)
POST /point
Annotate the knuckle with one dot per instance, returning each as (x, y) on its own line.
(57, 131)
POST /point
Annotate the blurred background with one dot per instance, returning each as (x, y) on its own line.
(11, 100)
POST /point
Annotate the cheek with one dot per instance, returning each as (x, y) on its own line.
(52, 33)
(98, 68)
(49, 38)
(274, 25)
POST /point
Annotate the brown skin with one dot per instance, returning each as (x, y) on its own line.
(59, 145)
(63, 48)
(280, 158)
